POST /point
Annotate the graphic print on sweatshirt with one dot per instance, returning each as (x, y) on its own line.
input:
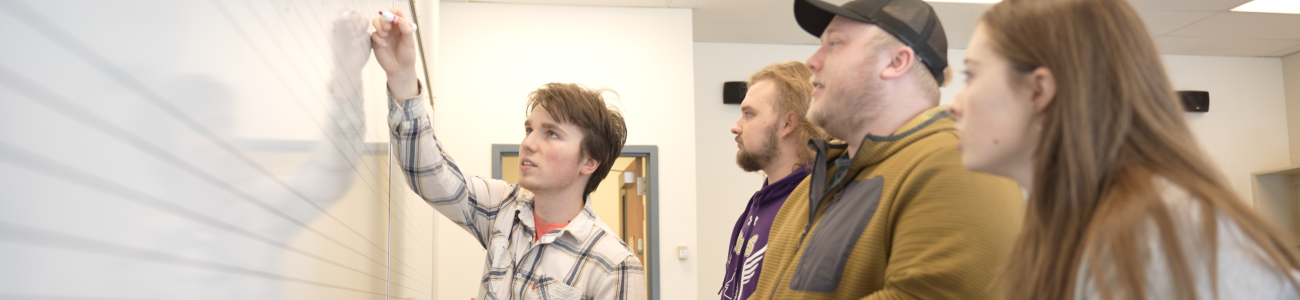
(753, 259)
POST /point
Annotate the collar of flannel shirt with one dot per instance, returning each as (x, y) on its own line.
(579, 228)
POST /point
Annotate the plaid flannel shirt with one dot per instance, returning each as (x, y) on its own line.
(583, 260)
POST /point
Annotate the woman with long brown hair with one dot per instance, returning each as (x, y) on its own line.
(1070, 99)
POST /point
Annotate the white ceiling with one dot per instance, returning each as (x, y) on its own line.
(1188, 27)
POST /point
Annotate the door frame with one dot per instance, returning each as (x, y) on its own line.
(651, 153)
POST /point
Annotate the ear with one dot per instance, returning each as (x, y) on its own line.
(789, 123)
(589, 165)
(901, 60)
(1044, 84)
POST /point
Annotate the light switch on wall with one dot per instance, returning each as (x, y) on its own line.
(681, 252)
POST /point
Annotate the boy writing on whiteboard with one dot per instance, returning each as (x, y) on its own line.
(542, 237)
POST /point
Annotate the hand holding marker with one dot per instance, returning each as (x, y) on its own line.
(394, 45)
(392, 18)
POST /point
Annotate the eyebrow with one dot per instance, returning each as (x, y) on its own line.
(547, 125)
(552, 126)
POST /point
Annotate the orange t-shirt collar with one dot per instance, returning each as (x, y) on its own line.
(543, 227)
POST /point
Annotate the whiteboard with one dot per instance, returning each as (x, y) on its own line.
(199, 150)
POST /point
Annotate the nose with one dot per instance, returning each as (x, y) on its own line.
(529, 145)
(815, 61)
(735, 128)
(955, 109)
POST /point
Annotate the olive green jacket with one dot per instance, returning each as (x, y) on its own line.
(904, 220)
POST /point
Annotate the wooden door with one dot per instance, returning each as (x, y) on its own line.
(634, 213)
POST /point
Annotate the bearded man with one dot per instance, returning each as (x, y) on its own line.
(772, 134)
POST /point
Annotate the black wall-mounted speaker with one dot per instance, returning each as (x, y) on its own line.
(733, 92)
(1195, 101)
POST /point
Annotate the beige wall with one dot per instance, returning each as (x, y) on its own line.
(1291, 79)
(1245, 130)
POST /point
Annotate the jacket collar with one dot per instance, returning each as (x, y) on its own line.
(874, 150)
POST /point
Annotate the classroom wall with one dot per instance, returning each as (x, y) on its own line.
(492, 55)
(1291, 79)
(1244, 132)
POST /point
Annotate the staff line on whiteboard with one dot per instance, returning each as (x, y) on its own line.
(281, 50)
(48, 238)
(39, 164)
(298, 72)
(131, 83)
(22, 85)
(53, 33)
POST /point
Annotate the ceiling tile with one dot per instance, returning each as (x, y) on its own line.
(1187, 5)
(746, 21)
(1160, 22)
(769, 12)
(1244, 25)
(1188, 27)
(752, 33)
(1221, 46)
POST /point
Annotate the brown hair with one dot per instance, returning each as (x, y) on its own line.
(1114, 125)
(794, 81)
(602, 126)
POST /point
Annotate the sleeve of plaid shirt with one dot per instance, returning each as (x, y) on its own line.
(470, 201)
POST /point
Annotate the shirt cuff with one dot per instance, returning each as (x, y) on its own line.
(407, 109)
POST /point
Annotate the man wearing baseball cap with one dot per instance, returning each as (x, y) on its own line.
(890, 213)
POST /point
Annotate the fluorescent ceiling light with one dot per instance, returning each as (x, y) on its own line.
(1271, 6)
(966, 1)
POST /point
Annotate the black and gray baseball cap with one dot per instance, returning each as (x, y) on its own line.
(911, 21)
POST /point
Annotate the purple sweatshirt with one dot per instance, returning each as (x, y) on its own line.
(749, 237)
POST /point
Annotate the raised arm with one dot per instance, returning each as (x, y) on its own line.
(470, 201)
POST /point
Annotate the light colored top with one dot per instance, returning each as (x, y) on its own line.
(582, 260)
(1245, 271)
